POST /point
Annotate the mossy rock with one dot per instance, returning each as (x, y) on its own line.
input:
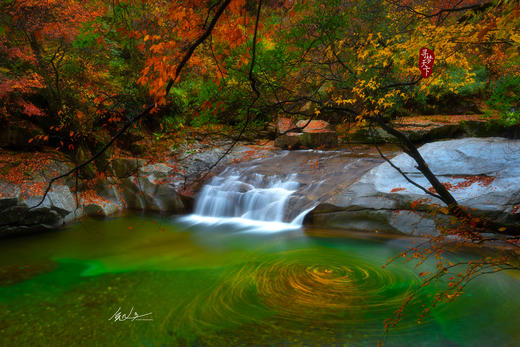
(319, 139)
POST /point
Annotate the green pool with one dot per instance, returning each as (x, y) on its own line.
(222, 285)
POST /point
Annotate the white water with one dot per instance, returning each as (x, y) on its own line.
(252, 201)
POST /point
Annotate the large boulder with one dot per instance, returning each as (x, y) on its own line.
(314, 125)
(481, 173)
(424, 129)
(315, 134)
(126, 167)
(154, 188)
(289, 141)
(319, 139)
(284, 124)
(101, 208)
(19, 214)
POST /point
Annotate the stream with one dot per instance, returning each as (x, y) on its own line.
(222, 285)
(242, 270)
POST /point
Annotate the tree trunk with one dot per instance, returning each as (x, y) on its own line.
(412, 151)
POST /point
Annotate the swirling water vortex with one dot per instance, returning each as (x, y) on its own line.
(304, 293)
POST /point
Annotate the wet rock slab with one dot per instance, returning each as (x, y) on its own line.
(481, 173)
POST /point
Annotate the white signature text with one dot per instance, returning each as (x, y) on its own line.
(132, 315)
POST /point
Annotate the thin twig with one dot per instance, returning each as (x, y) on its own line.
(148, 109)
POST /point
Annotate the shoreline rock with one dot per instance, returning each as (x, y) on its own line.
(481, 173)
(345, 189)
(164, 187)
(315, 134)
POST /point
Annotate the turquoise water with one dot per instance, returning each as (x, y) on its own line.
(225, 286)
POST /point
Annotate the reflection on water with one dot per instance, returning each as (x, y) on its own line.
(222, 286)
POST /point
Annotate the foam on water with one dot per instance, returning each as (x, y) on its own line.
(253, 202)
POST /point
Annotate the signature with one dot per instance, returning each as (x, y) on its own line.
(132, 315)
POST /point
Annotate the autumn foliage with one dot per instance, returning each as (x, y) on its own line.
(80, 71)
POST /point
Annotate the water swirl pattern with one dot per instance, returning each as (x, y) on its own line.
(217, 286)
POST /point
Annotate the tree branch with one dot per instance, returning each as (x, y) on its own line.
(149, 108)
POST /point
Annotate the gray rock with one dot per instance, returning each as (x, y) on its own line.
(8, 202)
(484, 171)
(22, 215)
(101, 209)
(156, 171)
(289, 141)
(321, 139)
(61, 199)
(18, 216)
(126, 167)
(316, 134)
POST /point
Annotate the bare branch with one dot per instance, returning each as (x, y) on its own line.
(149, 108)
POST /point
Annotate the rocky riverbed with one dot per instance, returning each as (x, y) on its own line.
(129, 184)
(481, 173)
(351, 188)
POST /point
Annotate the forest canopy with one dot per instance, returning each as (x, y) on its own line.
(79, 69)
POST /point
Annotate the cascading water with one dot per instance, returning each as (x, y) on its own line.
(256, 197)
(277, 191)
(251, 199)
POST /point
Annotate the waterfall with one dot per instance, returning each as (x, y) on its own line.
(276, 192)
(248, 198)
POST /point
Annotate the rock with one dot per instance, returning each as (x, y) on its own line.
(363, 135)
(289, 141)
(62, 200)
(412, 222)
(126, 167)
(109, 190)
(21, 216)
(17, 230)
(319, 139)
(101, 209)
(167, 199)
(425, 130)
(83, 154)
(284, 124)
(8, 202)
(156, 171)
(314, 125)
(59, 199)
(131, 194)
(316, 134)
(483, 174)
(145, 193)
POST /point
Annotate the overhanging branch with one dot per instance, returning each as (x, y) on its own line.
(149, 108)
